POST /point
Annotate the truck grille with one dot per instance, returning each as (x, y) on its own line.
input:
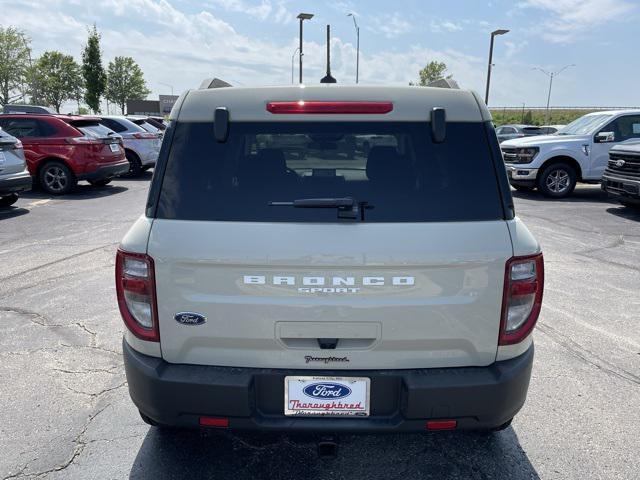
(509, 155)
(624, 164)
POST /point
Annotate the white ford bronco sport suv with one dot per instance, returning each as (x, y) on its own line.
(329, 290)
(577, 153)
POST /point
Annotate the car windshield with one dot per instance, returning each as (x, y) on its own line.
(263, 168)
(585, 125)
(148, 127)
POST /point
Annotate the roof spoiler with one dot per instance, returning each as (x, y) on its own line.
(213, 83)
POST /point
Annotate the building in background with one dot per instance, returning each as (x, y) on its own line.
(160, 108)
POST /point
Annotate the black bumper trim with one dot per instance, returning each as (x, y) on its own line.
(401, 400)
(107, 171)
(15, 184)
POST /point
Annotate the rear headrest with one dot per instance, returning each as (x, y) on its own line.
(385, 163)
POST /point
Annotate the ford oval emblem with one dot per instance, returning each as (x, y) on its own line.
(190, 318)
(620, 163)
(326, 390)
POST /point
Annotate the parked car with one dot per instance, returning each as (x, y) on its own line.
(63, 149)
(551, 129)
(578, 153)
(260, 292)
(157, 122)
(17, 108)
(141, 147)
(621, 178)
(14, 176)
(146, 124)
(508, 132)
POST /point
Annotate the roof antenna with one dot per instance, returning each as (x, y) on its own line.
(328, 78)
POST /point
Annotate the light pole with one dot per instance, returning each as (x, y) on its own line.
(167, 85)
(493, 35)
(293, 58)
(302, 17)
(357, 45)
(551, 75)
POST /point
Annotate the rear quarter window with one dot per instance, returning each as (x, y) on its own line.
(394, 167)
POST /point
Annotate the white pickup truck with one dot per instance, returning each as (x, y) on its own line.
(578, 153)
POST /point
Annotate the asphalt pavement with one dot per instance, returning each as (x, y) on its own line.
(65, 412)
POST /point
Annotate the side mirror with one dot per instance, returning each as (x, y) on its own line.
(605, 137)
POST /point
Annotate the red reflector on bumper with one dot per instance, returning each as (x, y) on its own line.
(315, 107)
(214, 422)
(441, 424)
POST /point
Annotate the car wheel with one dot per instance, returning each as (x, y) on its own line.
(100, 183)
(56, 178)
(8, 200)
(557, 180)
(135, 165)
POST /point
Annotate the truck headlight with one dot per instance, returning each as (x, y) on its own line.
(526, 155)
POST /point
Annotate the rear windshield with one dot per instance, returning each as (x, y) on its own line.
(393, 170)
(93, 129)
(146, 125)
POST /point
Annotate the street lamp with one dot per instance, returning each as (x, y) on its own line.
(167, 85)
(357, 44)
(302, 17)
(293, 57)
(551, 75)
(493, 35)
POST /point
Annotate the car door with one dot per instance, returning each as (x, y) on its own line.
(623, 128)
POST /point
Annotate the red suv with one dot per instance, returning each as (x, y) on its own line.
(62, 149)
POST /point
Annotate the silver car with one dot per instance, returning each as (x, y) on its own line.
(141, 146)
(14, 176)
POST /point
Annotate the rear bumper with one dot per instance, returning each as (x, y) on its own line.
(620, 186)
(15, 183)
(106, 171)
(401, 400)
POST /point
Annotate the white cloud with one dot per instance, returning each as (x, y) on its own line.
(572, 18)
(390, 26)
(440, 26)
(264, 10)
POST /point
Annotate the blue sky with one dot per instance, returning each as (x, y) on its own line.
(250, 42)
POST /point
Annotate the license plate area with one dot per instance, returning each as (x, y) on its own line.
(114, 147)
(319, 396)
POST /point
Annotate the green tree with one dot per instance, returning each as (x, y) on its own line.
(125, 81)
(14, 62)
(58, 78)
(527, 119)
(95, 79)
(431, 72)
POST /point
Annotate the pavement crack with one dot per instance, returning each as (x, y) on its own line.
(60, 260)
(98, 394)
(35, 317)
(587, 356)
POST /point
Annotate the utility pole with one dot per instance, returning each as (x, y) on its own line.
(302, 17)
(293, 57)
(355, 23)
(328, 78)
(551, 75)
(493, 35)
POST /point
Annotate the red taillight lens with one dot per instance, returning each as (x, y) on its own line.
(522, 298)
(313, 107)
(145, 135)
(136, 290)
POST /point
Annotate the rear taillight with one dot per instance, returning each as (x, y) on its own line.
(314, 107)
(148, 135)
(136, 290)
(522, 298)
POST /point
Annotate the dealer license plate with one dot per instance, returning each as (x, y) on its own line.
(114, 147)
(327, 396)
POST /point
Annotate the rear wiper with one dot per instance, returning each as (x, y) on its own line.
(347, 207)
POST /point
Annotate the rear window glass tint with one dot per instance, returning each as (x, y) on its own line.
(394, 167)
